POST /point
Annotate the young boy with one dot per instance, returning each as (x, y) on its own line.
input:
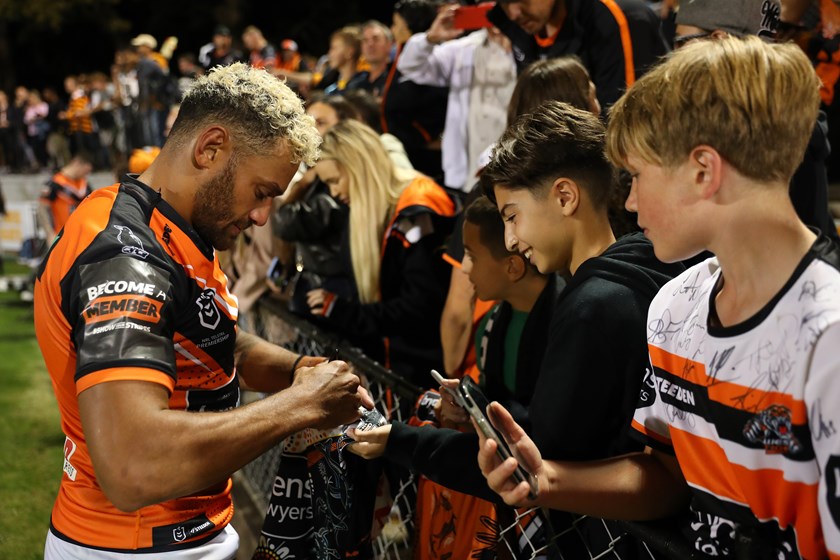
(511, 338)
(739, 404)
(63, 193)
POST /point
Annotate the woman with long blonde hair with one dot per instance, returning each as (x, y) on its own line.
(399, 221)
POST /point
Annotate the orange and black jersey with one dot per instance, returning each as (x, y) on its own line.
(78, 115)
(617, 41)
(63, 195)
(129, 291)
(413, 282)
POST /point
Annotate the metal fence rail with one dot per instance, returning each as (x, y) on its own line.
(394, 396)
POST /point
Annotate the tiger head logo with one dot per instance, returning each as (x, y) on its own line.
(772, 427)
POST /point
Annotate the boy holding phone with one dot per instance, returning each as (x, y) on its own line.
(739, 404)
(512, 340)
(552, 182)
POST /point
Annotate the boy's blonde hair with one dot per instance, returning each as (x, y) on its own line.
(754, 102)
(256, 107)
(374, 185)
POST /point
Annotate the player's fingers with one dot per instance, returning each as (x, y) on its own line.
(367, 400)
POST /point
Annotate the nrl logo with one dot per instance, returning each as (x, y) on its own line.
(208, 312)
(179, 534)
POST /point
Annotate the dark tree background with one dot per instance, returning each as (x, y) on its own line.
(41, 41)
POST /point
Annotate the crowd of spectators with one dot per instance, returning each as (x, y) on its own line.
(110, 113)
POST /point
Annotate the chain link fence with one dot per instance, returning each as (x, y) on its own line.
(525, 534)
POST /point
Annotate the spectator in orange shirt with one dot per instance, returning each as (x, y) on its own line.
(262, 53)
(63, 193)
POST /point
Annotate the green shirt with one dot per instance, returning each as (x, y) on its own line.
(510, 352)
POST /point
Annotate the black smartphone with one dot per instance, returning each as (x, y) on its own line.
(476, 404)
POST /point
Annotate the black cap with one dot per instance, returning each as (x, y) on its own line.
(222, 30)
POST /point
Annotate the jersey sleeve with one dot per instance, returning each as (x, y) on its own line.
(650, 424)
(428, 64)
(50, 191)
(121, 314)
(650, 421)
(822, 393)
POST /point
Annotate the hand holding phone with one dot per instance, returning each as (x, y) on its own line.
(441, 380)
(450, 407)
(442, 28)
(476, 404)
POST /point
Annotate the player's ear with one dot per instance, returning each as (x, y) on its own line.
(212, 145)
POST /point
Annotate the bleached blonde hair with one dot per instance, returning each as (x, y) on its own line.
(754, 102)
(374, 185)
(256, 107)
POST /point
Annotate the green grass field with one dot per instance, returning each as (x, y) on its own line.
(12, 267)
(31, 442)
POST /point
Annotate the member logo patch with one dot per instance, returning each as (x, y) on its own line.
(208, 312)
(106, 308)
(773, 429)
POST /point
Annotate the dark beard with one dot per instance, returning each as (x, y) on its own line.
(212, 208)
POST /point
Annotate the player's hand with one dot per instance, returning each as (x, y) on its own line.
(370, 444)
(443, 28)
(499, 475)
(447, 409)
(332, 392)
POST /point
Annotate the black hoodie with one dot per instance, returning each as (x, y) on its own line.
(809, 185)
(589, 380)
(586, 394)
